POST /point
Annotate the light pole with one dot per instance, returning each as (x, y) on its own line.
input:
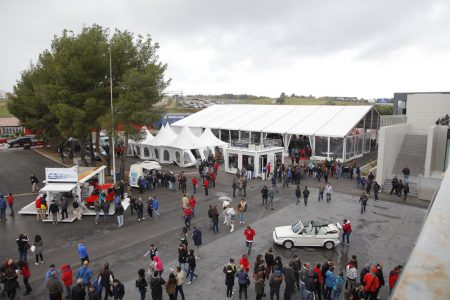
(112, 115)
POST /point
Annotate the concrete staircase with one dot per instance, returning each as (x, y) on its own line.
(413, 189)
(412, 155)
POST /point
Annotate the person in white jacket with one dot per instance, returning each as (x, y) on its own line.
(328, 191)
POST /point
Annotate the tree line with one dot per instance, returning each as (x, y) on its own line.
(66, 93)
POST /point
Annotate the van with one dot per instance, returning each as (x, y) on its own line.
(140, 169)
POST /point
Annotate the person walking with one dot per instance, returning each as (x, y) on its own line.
(10, 201)
(305, 195)
(274, 183)
(229, 280)
(394, 183)
(97, 209)
(270, 194)
(347, 230)
(77, 210)
(23, 246)
(156, 283)
(234, 186)
(192, 204)
(119, 210)
(197, 238)
(363, 200)
(171, 286)
(191, 262)
(24, 270)
(34, 183)
(242, 209)
(406, 172)
(376, 190)
(405, 191)
(55, 287)
(298, 194)
(141, 283)
(83, 252)
(215, 219)
(3, 206)
(321, 191)
(150, 207)
(140, 209)
(181, 279)
(182, 256)
(38, 245)
(206, 186)
(243, 281)
(264, 195)
(187, 214)
(67, 279)
(351, 273)
(194, 182)
(155, 205)
(105, 281)
(85, 274)
(249, 234)
(328, 191)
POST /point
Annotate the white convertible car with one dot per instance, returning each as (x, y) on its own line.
(312, 235)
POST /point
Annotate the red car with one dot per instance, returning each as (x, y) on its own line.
(94, 197)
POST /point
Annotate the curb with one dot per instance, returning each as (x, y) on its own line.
(51, 158)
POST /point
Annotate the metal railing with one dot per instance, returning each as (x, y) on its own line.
(251, 144)
(392, 120)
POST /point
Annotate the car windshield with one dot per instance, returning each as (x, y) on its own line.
(297, 227)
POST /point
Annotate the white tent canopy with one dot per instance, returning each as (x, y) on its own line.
(186, 140)
(58, 187)
(208, 139)
(164, 137)
(319, 120)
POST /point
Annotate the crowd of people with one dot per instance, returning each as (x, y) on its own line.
(311, 281)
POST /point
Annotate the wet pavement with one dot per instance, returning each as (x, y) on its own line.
(386, 232)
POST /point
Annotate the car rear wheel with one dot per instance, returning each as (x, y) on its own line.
(288, 244)
(329, 245)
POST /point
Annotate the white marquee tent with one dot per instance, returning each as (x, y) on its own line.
(145, 149)
(159, 144)
(182, 146)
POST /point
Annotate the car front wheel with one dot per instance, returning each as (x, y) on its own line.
(288, 244)
(329, 245)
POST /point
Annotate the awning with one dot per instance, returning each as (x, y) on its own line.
(58, 187)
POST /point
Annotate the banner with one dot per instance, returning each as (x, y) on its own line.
(61, 174)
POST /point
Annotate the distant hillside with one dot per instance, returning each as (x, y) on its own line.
(3, 109)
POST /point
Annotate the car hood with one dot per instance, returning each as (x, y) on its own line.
(284, 231)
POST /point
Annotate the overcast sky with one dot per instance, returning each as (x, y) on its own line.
(356, 48)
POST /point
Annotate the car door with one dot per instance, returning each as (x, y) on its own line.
(307, 238)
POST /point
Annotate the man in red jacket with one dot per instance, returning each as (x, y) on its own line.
(10, 200)
(347, 230)
(206, 186)
(216, 167)
(371, 284)
(194, 184)
(393, 277)
(249, 233)
(67, 279)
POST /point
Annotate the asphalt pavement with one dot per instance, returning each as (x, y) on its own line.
(385, 233)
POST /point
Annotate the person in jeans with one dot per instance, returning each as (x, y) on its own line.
(242, 209)
(181, 278)
(25, 271)
(55, 287)
(97, 209)
(119, 213)
(275, 282)
(2, 208)
(347, 230)
(67, 279)
(191, 266)
(23, 246)
(141, 283)
(243, 281)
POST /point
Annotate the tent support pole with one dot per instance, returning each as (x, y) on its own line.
(328, 151)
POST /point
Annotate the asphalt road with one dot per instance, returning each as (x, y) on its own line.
(385, 233)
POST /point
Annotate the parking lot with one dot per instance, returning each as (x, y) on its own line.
(385, 233)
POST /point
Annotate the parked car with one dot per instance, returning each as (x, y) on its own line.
(312, 235)
(87, 152)
(21, 142)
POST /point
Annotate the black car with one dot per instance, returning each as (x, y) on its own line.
(25, 142)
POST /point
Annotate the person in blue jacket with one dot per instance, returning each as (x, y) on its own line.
(85, 274)
(155, 206)
(83, 252)
(330, 279)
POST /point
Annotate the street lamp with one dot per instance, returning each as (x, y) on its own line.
(112, 114)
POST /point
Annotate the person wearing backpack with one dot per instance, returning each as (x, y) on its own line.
(371, 284)
(141, 283)
(53, 208)
(276, 279)
(85, 274)
(337, 286)
(243, 281)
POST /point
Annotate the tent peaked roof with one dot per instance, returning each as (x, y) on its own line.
(164, 137)
(148, 136)
(186, 140)
(208, 139)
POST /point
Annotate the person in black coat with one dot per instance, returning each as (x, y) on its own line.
(197, 238)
